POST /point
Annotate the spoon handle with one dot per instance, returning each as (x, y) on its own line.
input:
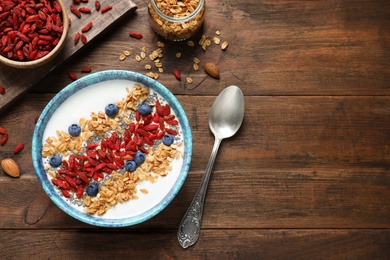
(189, 228)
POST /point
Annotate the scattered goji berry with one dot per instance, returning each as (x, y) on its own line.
(3, 131)
(84, 39)
(106, 8)
(86, 70)
(97, 5)
(72, 75)
(76, 38)
(18, 148)
(75, 11)
(2, 90)
(85, 10)
(3, 139)
(136, 35)
(87, 27)
(177, 74)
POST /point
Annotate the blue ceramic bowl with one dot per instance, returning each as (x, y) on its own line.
(79, 99)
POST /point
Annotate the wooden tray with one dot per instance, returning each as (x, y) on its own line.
(19, 81)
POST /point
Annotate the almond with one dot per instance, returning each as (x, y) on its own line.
(10, 167)
(211, 69)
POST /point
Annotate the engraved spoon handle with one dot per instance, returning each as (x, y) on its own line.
(189, 228)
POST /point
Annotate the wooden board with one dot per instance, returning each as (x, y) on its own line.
(18, 81)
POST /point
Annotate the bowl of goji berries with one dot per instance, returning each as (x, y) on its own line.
(31, 32)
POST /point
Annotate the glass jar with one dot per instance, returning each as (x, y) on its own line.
(176, 20)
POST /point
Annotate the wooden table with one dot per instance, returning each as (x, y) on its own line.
(306, 177)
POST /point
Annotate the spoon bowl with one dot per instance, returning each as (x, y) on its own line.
(227, 113)
(225, 118)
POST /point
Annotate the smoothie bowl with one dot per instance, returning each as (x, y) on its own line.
(113, 148)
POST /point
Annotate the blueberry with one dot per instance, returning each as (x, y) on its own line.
(130, 166)
(139, 157)
(55, 161)
(111, 110)
(144, 109)
(92, 189)
(168, 139)
(74, 130)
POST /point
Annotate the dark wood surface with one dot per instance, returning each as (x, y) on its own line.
(306, 177)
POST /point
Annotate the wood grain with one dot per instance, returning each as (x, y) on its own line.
(282, 48)
(19, 81)
(307, 175)
(149, 244)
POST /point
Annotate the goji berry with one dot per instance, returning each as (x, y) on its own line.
(85, 10)
(87, 27)
(97, 5)
(171, 131)
(176, 73)
(136, 35)
(143, 149)
(70, 181)
(169, 118)
(159, 109)
(127, 157)
(72, 75)
(172, 122)
(151, 127)
(75, 11)
(86, 70)
(3, 139)
(91, 146)
(106, 8)
(166, 110)
(76, 38)
(162, 123)
(79, 191)
(91, 154)
(65, 193)
(2, 131)
(84, 39)
(57, 6)
(100, 166)
(160, 134)
(112, 166)
(18, 148)
(84, 177)
(63, 171)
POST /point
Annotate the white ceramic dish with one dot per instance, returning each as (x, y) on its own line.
(90, 94)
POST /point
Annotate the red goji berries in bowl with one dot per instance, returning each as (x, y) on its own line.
(31, 32)
(113, 148)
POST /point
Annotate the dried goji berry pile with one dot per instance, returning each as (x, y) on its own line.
(29, 30)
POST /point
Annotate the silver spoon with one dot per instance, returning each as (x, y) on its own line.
(225, 119)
